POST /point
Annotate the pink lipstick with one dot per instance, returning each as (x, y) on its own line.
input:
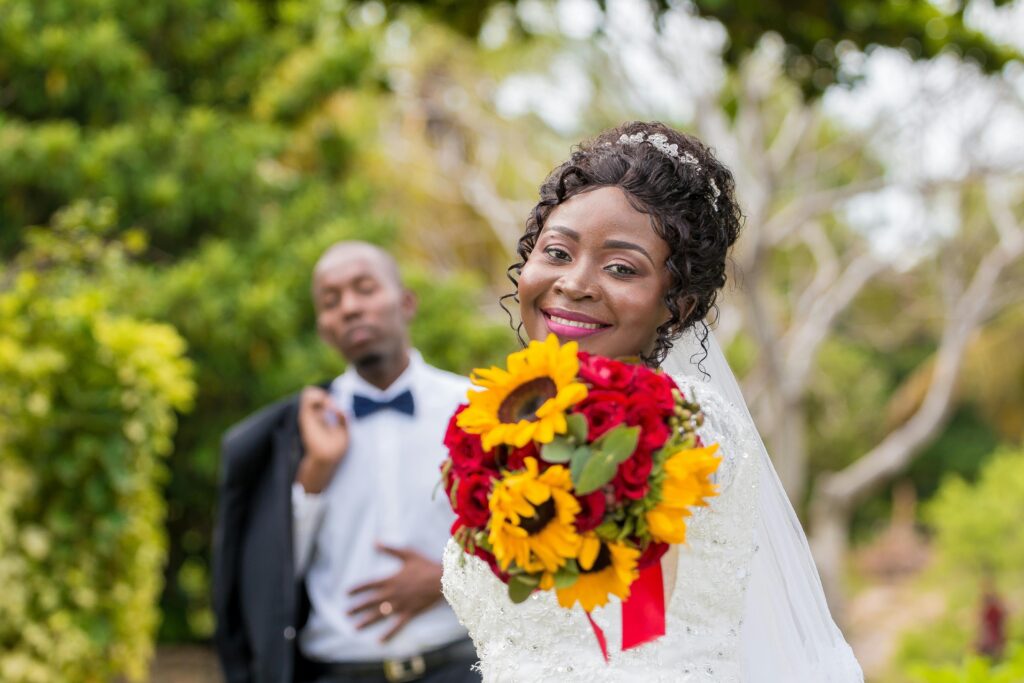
(570, 325)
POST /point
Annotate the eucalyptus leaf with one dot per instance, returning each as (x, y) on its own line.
(619, 442)
(565, 578)
(579, 459)
(518, 590)
(578, 428)
(608, 530)
(598, 471)
(557, 451)
(529, 579)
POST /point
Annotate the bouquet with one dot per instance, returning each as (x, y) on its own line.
(573, 472)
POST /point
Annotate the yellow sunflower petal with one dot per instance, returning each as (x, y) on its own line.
(589, 549)
(515, 497)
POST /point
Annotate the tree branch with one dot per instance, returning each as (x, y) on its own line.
(857, 481)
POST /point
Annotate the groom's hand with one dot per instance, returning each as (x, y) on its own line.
(403, 595)
(324, 439)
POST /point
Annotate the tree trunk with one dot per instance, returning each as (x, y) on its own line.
(829, 544)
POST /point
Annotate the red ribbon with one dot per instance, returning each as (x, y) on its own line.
(643, 612)
(599, 634)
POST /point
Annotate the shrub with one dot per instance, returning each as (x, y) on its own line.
(87, 415)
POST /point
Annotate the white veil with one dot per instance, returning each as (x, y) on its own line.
(788, 633)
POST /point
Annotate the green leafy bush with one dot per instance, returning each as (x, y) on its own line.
(976, 538)
(974, 670)
(87, 415)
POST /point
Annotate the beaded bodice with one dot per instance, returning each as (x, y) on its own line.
(538, 640)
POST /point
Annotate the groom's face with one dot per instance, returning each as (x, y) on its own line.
(362, 310)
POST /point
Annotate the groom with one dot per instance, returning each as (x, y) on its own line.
(329, 538)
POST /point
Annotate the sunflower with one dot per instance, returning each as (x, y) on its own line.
(606, 569)
(687, 484)
(526, 402)
(532, 519)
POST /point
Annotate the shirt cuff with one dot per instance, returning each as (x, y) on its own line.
(307, 513)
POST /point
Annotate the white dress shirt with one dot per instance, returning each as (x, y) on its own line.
(386, 490)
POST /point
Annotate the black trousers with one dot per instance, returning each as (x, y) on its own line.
(456, 671)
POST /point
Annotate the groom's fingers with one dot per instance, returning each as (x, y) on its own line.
(372, 619)
(400, 553)
(369, 585)
(399, 625)
(372, 603)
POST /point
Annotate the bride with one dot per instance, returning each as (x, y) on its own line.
(625, 253)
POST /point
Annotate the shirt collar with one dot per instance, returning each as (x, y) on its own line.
(350, 382)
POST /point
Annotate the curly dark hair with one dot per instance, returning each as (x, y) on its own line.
(690, 199)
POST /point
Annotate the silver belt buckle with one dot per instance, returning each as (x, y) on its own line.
(404, 670)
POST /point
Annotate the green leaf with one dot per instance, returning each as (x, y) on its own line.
(619, 442)
(579, 459)
(558, 451)
(598, 471)
(578, 428)
(608, 530)
(567, 575)
(606, 455)
(627, 528)
(518, 589)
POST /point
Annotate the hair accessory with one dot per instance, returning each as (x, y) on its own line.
(659, 141)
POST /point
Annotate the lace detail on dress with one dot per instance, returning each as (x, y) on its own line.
(538, 641)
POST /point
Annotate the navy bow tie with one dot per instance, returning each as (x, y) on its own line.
(364, 405)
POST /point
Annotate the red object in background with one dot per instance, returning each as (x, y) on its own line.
(992, 635)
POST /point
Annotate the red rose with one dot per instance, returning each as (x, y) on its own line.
(515, 460)
(592, 507)
(471, 498)
(604, 373)
(466, 450)
(651, 554)
(630, 481)
(653, 430)
(604, 410)
(655, 388)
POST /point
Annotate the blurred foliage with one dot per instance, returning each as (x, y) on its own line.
(976, 532)
(173, 110)
(817, 34)
(974, 670)
(229, 139)
(87, 414)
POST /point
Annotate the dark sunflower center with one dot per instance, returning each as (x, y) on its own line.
(603, 560)
(542, 514)
(526, 399)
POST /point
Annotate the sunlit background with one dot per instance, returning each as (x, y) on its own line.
(170, 170)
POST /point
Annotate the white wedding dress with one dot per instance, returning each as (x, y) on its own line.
(715, 631)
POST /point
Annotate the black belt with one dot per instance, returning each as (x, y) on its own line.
(402, 670)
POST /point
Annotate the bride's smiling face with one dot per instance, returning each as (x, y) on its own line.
(597, 275)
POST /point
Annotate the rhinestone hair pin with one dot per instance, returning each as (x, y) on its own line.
(659, 141)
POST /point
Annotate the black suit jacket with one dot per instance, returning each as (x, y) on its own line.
(259, 605)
